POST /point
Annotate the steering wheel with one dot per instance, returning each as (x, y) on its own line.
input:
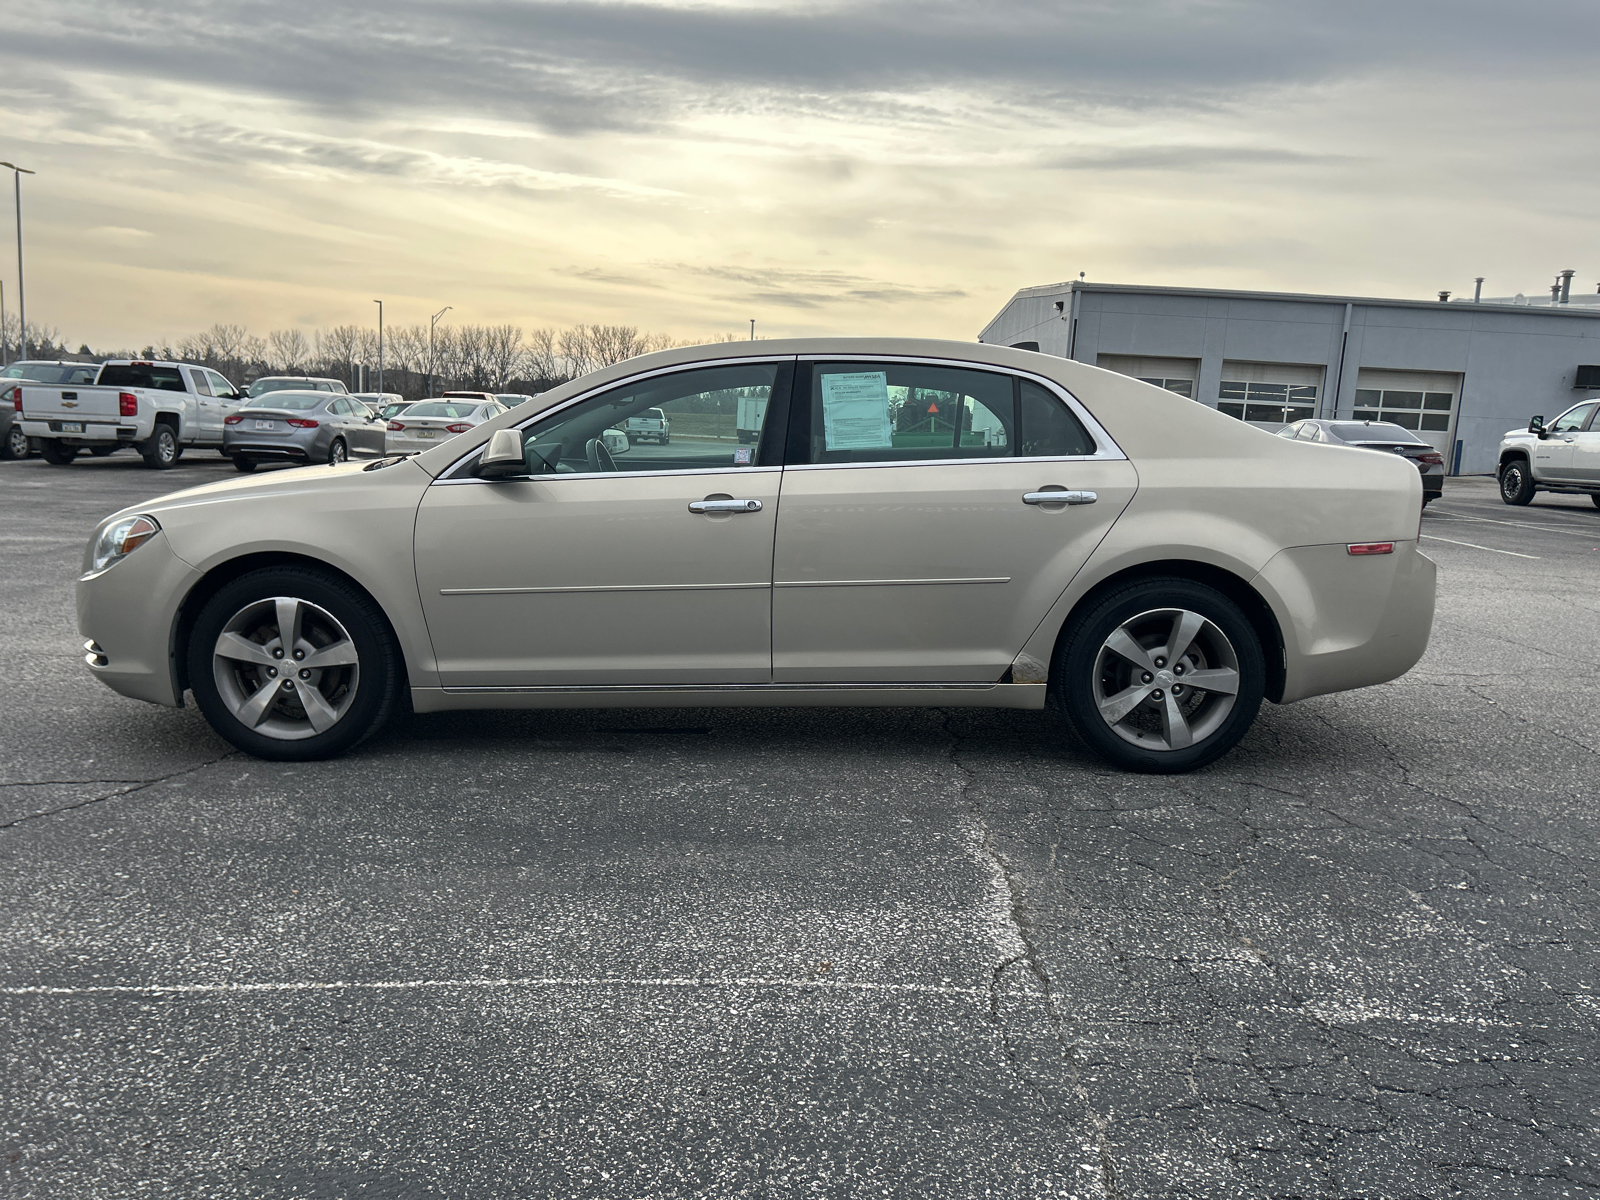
(599, 457)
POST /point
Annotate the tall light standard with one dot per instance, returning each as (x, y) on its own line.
(22, 296)
(4, 359)
(379, 303)
(434, 320)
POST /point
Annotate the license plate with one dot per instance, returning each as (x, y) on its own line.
(426, 433)
(266, 424)
(72, 427)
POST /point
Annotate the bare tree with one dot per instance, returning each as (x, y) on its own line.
(288, 351)
(472, 356)
(503, 354)
(338, 350)
(542, 358)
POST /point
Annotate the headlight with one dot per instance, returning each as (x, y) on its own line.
(121, 538)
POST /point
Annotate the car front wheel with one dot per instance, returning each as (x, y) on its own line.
(1516, 483)
(294, 663)
(1161, 675)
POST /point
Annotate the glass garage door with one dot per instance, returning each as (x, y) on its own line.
(1422, 401)
(1269, 394)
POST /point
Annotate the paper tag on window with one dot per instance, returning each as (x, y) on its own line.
(741, 456)
(855, 411)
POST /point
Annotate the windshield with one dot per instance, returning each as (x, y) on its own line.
(50, 372)
(390, 410)
(1374, 431)
(442, 408)
(262, 386)
(141, 375)
(290, 401)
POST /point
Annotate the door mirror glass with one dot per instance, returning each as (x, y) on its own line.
(503, 457)
(1536, 425)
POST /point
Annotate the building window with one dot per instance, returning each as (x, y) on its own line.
(1183, 387)
(1407, 409)
(1271, 403)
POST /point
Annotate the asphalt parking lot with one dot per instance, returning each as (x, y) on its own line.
(785, 952)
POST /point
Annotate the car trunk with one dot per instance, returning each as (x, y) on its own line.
(269, 422)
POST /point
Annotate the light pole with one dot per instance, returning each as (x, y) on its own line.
(752, 329)
(434, 320)
(379, 303)
(22, 296)
(3, 356)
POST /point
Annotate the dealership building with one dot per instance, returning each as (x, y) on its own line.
(1459, 373)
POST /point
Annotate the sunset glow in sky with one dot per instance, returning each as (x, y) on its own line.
(863, 168)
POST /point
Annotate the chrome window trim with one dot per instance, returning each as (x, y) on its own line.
(1105, 445)
(606, 475)
(606, 387)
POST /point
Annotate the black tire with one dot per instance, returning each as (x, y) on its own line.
(1083, 659)
(1595, 496)
(1516, 482)
(56, 453)
(15, 444)
(379, 674)
(244, 465)
(101, 451)
(338, 452)
(161, 450)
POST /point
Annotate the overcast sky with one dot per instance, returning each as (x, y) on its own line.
(860, 168)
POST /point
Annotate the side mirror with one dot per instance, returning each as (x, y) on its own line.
(502, 458)
(1536, 425)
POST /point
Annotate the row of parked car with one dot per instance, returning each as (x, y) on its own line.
(160, 409)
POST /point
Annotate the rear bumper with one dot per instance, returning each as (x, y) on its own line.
(94, 433)
(1349, 621)
(401, 444)
(266, 453)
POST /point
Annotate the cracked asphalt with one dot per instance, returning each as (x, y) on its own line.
(783, 953)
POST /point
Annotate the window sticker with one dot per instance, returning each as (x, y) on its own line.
(741, 456)
(855, 411)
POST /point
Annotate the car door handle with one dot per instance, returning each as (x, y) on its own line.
(1061, 497)
(726, 506)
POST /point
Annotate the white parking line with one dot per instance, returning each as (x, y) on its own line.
(1475, 546)
(1570, 532)
(531, 981)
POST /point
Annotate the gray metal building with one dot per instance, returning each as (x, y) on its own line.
(1459, 373)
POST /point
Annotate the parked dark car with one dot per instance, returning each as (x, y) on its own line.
(1377, 435)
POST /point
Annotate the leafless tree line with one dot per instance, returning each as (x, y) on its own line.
(491, 358)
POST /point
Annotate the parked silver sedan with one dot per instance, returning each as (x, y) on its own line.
(428, 422)
(915, 523)
(301, 428)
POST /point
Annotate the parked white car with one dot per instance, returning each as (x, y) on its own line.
(157, 408)
(1562, 457)
(1157, 566)
(428, 422)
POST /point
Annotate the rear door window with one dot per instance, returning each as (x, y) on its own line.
(201, 387)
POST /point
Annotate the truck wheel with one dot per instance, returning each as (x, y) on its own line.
(294, 663)
(1516, 482)
(16, 443)
(1161, 676)
(243, 465)
(57, 453)
(161, 448)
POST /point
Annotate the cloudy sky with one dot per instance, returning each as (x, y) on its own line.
(883, 167)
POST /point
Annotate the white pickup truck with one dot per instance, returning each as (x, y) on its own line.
(157, 408)
(1562, 457)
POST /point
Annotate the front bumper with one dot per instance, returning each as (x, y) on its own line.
(129, 611)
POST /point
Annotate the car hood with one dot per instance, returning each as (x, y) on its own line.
(285, 487)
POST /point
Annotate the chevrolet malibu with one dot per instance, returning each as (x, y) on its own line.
(914, 523)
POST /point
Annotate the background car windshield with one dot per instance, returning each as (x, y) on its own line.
(50, 372)
(442, 408)
(390, 410)
(291, 401)
(1376, 431)
(262, 386)
(135, 375)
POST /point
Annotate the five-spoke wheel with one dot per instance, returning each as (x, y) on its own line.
(1161, 675)
(293, 663)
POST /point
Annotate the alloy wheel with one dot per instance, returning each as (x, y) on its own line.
(286, 668)
(16, 442)
(1166, 679)
(337, 453)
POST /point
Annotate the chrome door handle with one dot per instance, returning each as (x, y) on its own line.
(727, 506)
(1060, 498)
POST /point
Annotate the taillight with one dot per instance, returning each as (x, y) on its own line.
(1371, 548)
(128, 404)
(395, 427)
(303, 422)
(16, 397)
(233, 420)
(1433, 460)
(459, 427)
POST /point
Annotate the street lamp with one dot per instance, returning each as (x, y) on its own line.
(434, 320)
(379, 303)
(22, 296)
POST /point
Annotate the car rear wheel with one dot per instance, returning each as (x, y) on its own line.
(57, 453)
(1161, 676)
(1516, 483)
(293, 664)
(16, 443)
(160, 449)
(337, 453)
(243, 465)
